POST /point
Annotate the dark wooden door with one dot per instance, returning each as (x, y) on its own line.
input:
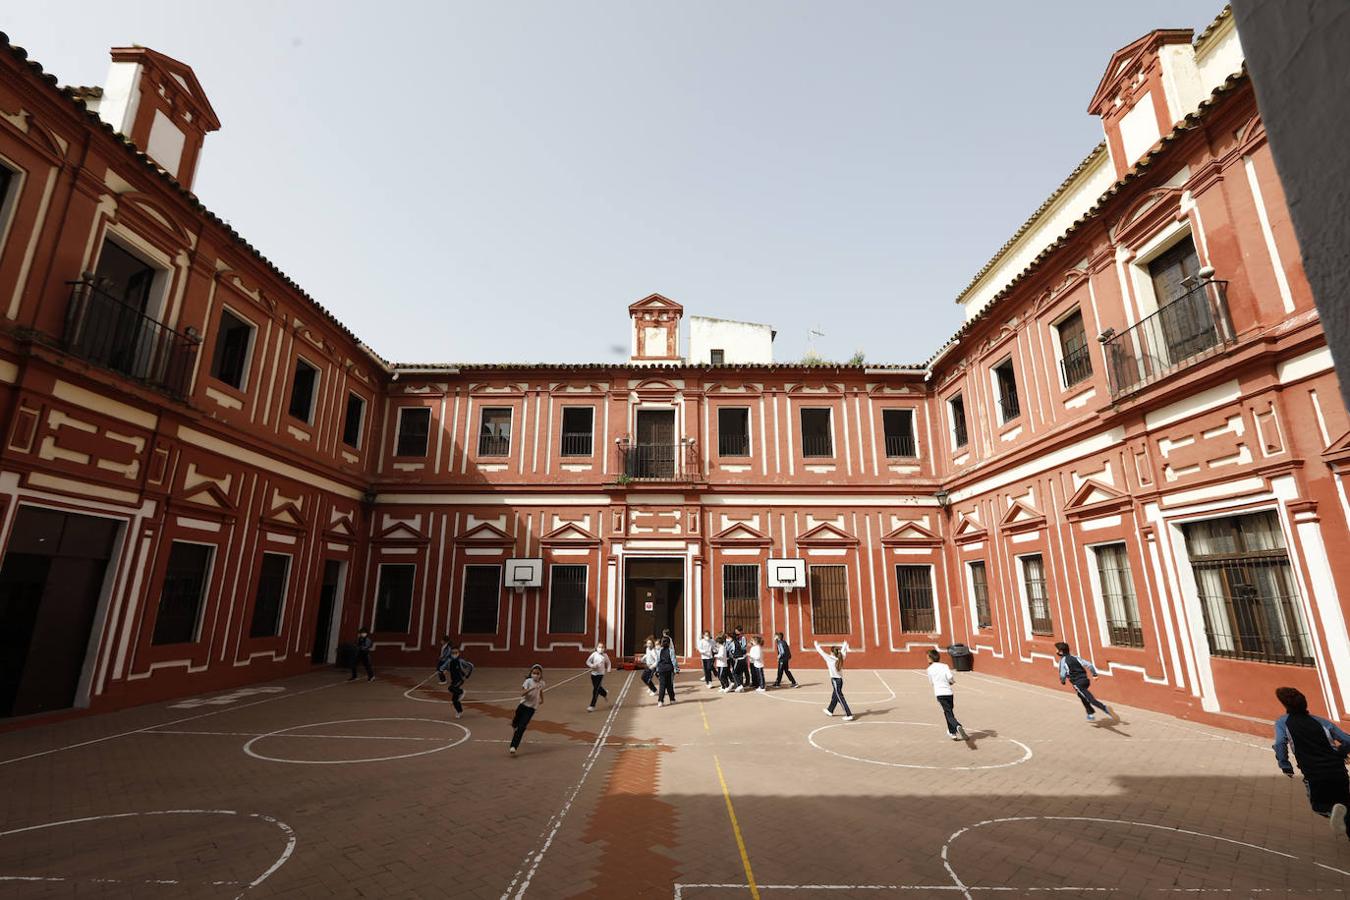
(655, 444)
(323, 617)
(1184, 315)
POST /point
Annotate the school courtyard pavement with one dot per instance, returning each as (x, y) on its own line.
(316, 787)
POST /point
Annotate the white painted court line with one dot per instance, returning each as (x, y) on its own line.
(267, 873)
(214, 712)
(331, 737)
(512, 698)
(534, 858)
(282, 733)
(681, 888)
(811, 739)
(852, 697)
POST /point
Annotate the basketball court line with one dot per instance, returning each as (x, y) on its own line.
(681, 887)
(510, 697)
(772, 694)
(113, 737)
(267, 873)
(281, 733)
(523, 876)
(811, 739)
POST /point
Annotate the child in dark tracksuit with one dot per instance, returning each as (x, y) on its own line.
(740, 673)
(666, 668)
(1075, 669)
(363, 647)
(784, 651)
(1320, 749)
(458, 669)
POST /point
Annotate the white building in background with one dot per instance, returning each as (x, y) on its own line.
(719, 342)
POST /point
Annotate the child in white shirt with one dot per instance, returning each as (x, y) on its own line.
(942, 677)
(720, 663)
(599, 664)
(531, 698)
(705, 653)
(756, 657)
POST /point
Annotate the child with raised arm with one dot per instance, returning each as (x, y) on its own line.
(834, 661)
(1320, 749)
(942, 677)
(599, 664)
(1075, 669)
(784, 651)
(531, 698)
(705, 654)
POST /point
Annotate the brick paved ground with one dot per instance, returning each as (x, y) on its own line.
(323, 788)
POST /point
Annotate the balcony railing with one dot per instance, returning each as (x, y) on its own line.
(733, 444)
(899, 445)
(1076, 366)
(817, 445)
(107, 332)
(576, 444)
(669, 461)
(1009, 408)
(1188, 329)
(494, 445)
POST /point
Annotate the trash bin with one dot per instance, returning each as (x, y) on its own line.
(345, 656)
(962, 659)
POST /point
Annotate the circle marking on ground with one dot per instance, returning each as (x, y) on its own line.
(811, 739)
(284, 732)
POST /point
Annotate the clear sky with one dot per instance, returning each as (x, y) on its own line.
(497, 181)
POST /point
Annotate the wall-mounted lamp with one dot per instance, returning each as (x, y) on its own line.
(943, 498)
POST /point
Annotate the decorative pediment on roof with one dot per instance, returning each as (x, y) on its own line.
(1128, 61)
(486, 534)
(910, 534)
(655, 303)
(1021, 517)
(570, 534)
(653, 386)
(1094, 498)
(742, 535)
(969, 529)
(827, 535)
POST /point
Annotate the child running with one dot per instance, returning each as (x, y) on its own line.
(599, 664)
(667, 666)
(1320, 749)
(834, 661)
(364, 645)
(756, 657)
(942, 677)
(649, 665)
(531, 698)
(459, 669)
(446, 647)
(784, 651)
(705, 654)
(720, 663)
(1075, 669)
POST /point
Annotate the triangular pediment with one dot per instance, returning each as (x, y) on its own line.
(969, 529)
(655, 302)
(401, 532)
(287, 514)
(827, 534)
(740, 533)
(912, 534)
(570, 533)
(485, 533)
(205, 496)
(1020, 516)
(1129, 59)
(1338, 453)
(1092, 492)
(342, 527)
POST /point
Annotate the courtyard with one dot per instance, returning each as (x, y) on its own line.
(316, 787)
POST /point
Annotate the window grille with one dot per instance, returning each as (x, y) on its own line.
(979, 583)
(1038, 600)
(740, 597)
(915, 587)
(829, 599)
(567, 600)
(1117, 583)
(482, 593)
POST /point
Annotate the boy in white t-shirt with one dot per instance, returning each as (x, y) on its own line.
(942, 677)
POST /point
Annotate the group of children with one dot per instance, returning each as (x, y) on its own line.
(732, 660)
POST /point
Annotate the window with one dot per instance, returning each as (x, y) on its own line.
(180, 600)
(717, 357)
(6, 179)
(1118, 600)
(1075, 363)
(829, 599)
(1174, 271)
(957, 407)
(271, 595)
(915, 586)
(351, 423)
(898, 425)
(234, 337)
(567, 600)
(482, 591)
(740, 597)
(1184, 316)
(733, 431)
(979, 586)
(414, 422)
(1247, 593)
(1005, 380)
(816, 439)
(494, 432)
(393, 598)
(125, 278)
(578, 427)
(303, 384)
(1038, 601)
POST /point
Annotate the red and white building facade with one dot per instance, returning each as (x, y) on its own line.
(1135, 443)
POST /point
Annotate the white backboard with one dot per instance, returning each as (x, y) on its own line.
(523, 573)
(787, 573)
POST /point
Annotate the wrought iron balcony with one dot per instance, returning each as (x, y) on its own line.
(576, 444)
(1076, 366)
(668, 461)
(107, 332)
(899, 445)
(1190, 328)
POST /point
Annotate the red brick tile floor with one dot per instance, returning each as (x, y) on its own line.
(316, 787)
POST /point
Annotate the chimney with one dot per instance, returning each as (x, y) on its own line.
(157, 103)
(656, 330)
(1138, 99)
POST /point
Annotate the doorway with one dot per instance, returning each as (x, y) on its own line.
(654, 453)
(326, 615)
(51, 582)
(654, 591)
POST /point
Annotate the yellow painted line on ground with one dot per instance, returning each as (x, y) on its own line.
(704, 714)
(736, 829)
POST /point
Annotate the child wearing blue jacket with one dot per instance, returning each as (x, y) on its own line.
(1075, 670)
(1320, 749)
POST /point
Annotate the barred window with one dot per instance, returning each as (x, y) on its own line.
(1247, 593)
(482, 593)
(979, 586)
(414, 424)
(271, 595)
(740, 597)
(957, 407)
(829, 599)
(393, 598)
(733, 431)
(567, 600)
(1038, 600)
(915, 586)
(180, 600)
(1122, 609)
(494, 432)
(898, 430)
